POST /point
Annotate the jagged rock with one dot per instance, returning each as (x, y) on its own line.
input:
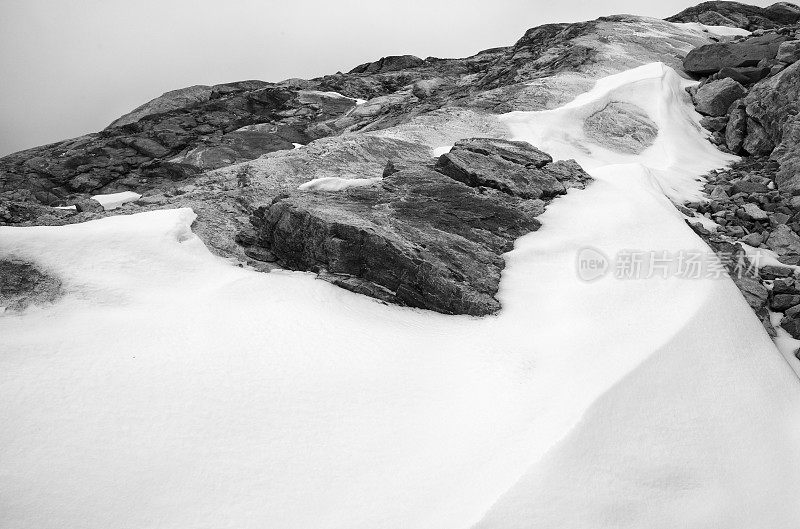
(781, 302)
(419, 239)
(769, 272)
(714, 98)
(746, 75)
(712, 58)
(757, 141)
(789, 52)
(171, 100)
(516, 168)
(714, 124)
(23, 284)
(783, 241)
(389, 64)
(753, 212)
(621, 127)
(736, 130)
(424, 88)
(739, 15)
(88, 205)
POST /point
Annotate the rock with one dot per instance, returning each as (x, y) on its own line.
(774, 272)
(516, 168)
(783, 241)
(714, 124)
(773, 125)
(754, 212)
(621, 127)
(737, 15)
(23, 284)
(391, 63)
(748, 187)
(424, 88)
(711, 58)
(781, 302)
(167, 102)
(789, 52)
(753, 239)
(792, 326)
(757, 141)
(785, 286)
(88, 205)
(736, 129)
(419, 239)
(745, 75)
(714, 98)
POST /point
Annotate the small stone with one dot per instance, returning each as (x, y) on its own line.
(754, 212)
(748, 188)
(781, 302)
(716, 97)
(774, 272)
(753, 239)
(789, 51)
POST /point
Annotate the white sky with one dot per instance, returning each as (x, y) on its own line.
(68, 68)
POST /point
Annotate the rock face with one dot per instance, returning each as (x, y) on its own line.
(716, 97)
(419, 238)
(621, 127)
(515, 168)
(738, 15)
(23, 284)
(749, 52)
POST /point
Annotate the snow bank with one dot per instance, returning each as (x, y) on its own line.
(168, 388)
(115, 200)
(719, 31)
(335, 183)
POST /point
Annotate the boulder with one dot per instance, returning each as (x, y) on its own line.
(716, 97)
(736, 129)
(783, 241)
(515, 168)
(745, 75)
(789, 52)
(419, 239)
(711, 58)
(621, 127)
(88, 205)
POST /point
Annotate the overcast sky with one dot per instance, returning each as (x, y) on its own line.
(72, 67)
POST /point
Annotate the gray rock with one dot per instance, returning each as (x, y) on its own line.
(516, 168)
(774, 272)
(736, 129)
(757, 141)
(783, 241)
(714, 124)
(88, 205)
(781, 302)
(789, 51)
(753, 212)
(23, 284)
(714, 98)
(712, 58)
(419, 239)
(621, 127)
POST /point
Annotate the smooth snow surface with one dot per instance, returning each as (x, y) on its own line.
(336, 183)
(171, 389)
(438, 151)
(115, 200)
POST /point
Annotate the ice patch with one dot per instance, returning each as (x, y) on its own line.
(115, 200)
(438, 151)
(335, 183)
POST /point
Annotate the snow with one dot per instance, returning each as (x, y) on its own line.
(336, 183)
(438, 151)
(169, 388)
(719, 31)
(297, 145)
(115, 200)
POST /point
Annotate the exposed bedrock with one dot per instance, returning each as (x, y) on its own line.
(23, 284)
(419, 237)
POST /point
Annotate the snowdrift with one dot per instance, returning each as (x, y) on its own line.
(169, 388)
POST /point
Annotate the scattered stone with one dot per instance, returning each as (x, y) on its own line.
(781, 302)
(754, 212)
(769, 272)
(88, 205)
(783, 241)
(753, 239)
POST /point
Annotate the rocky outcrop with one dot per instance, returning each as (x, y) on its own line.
(737, 15)
(621, 127)
(420, 237)
(711, 58)
(513, 167)
(716, 97)
(22, 284)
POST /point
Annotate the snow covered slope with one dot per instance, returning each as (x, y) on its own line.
(171, 389)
